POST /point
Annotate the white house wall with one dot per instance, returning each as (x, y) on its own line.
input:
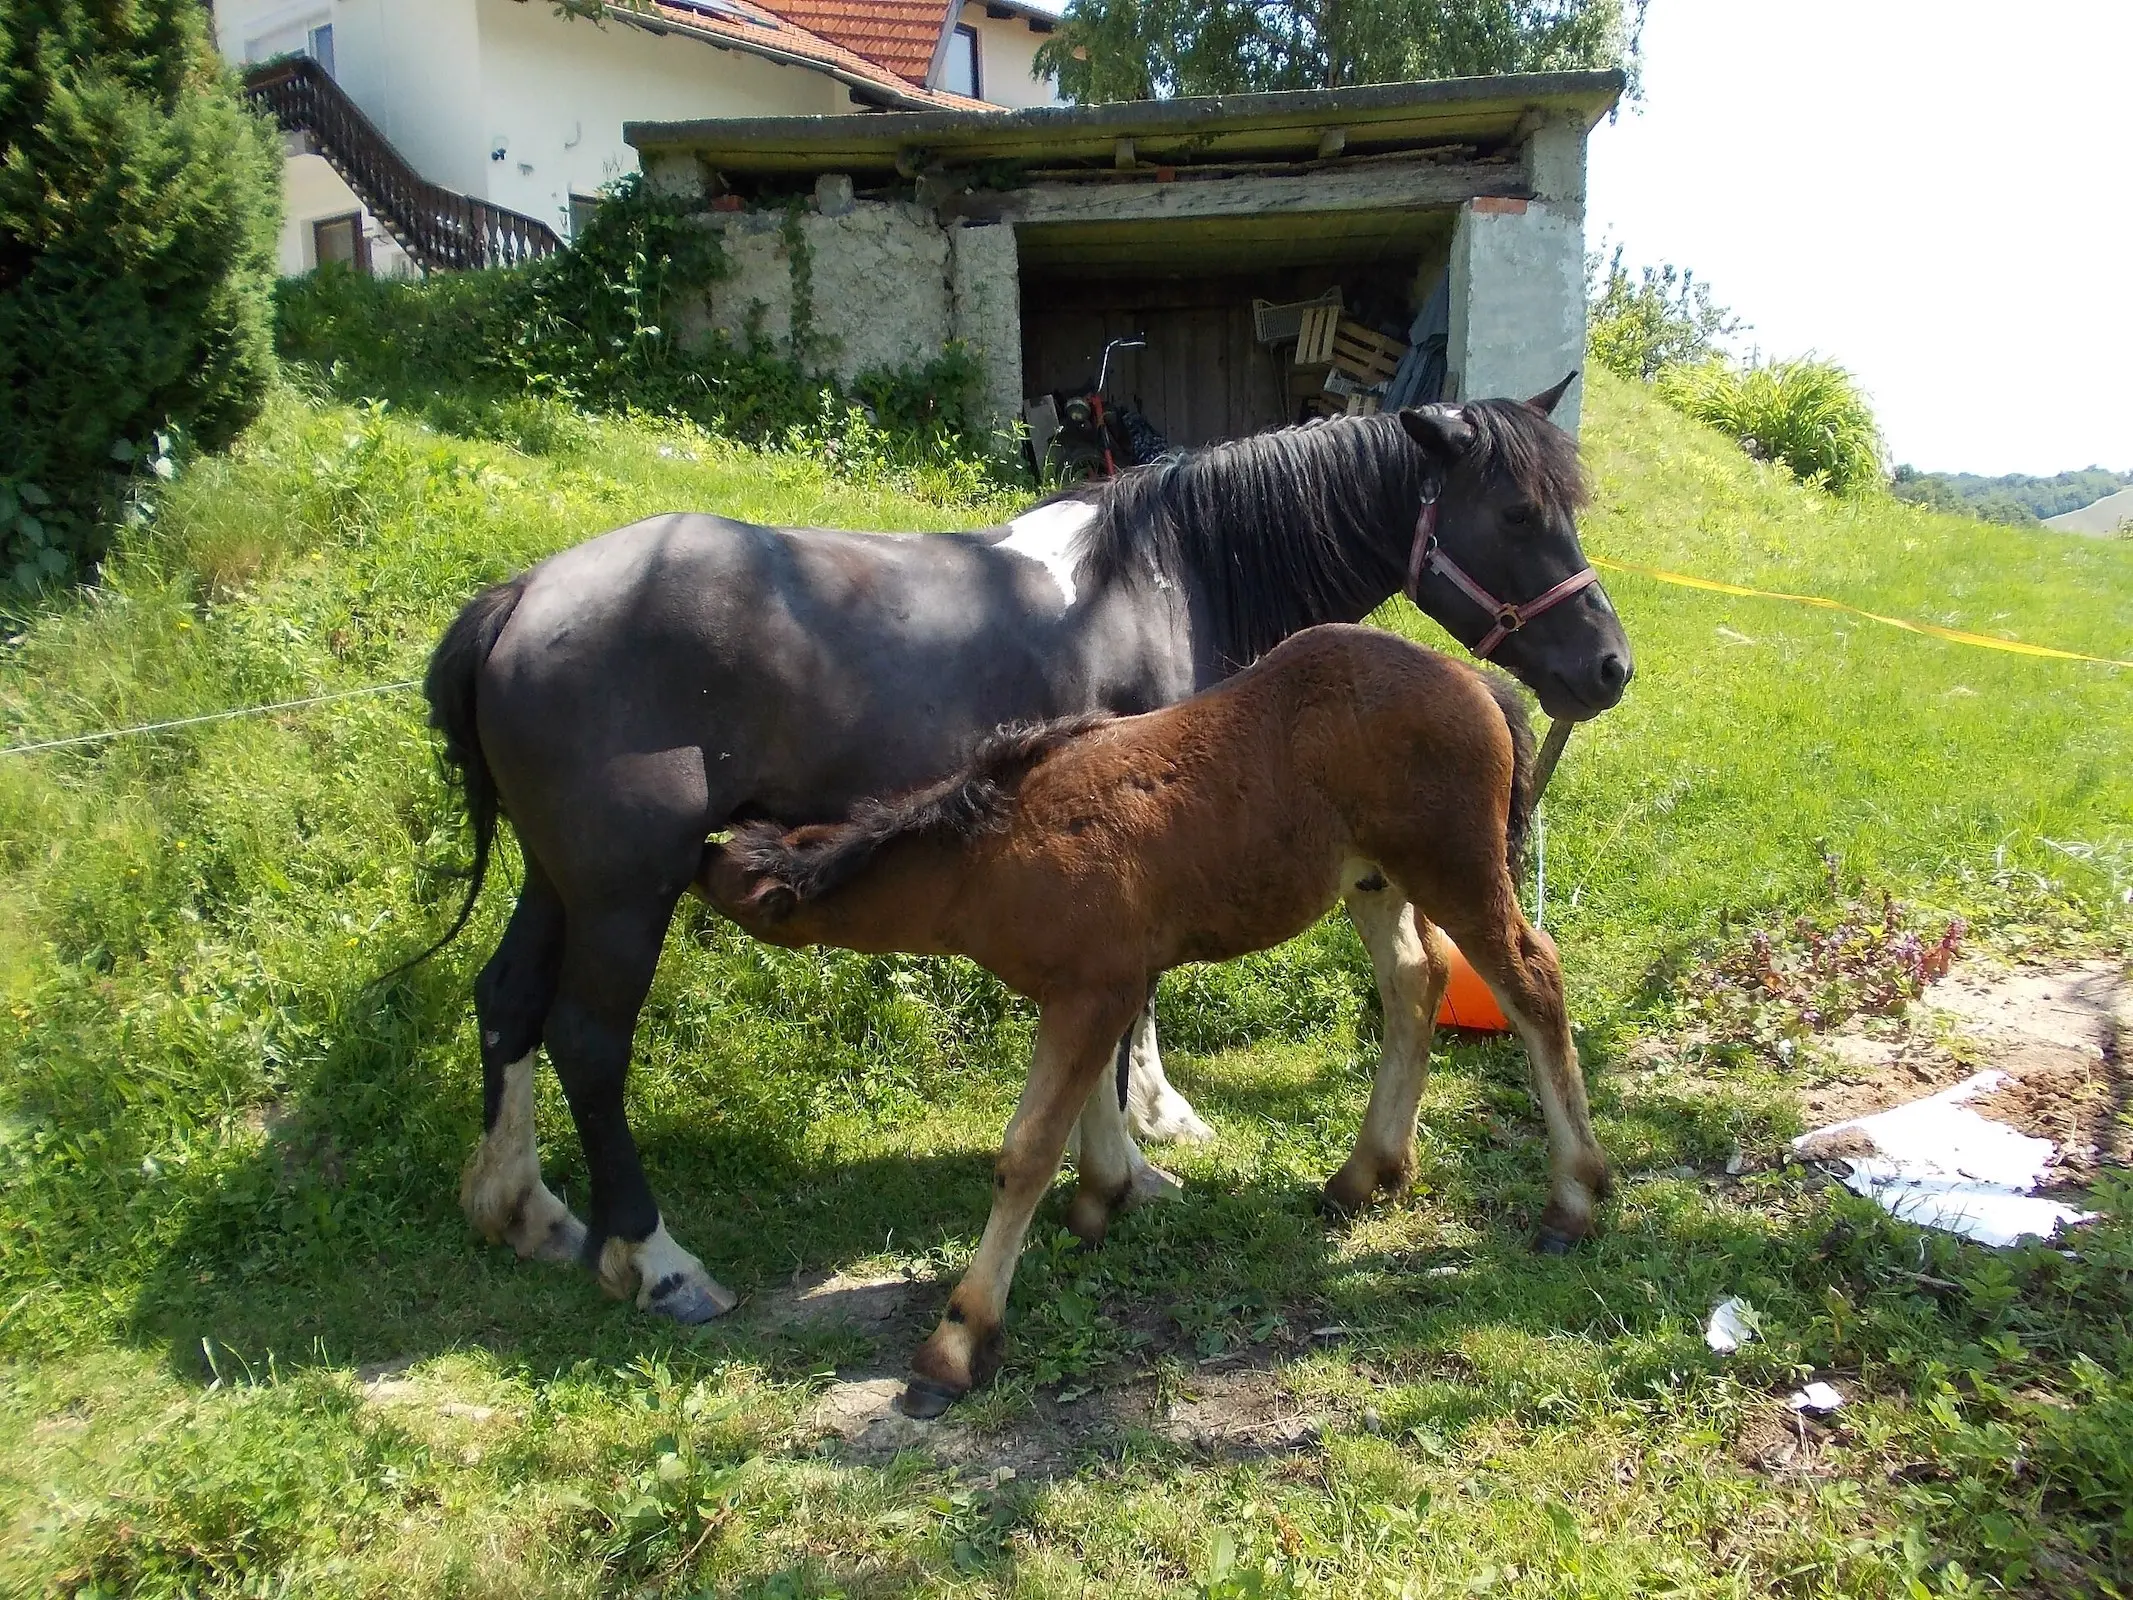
(555, 93)
(1006, 48)
(414, 66)
(312, 192)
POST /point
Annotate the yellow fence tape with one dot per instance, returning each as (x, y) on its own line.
(1953, 635)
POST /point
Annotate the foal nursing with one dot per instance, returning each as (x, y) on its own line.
(1079, 860)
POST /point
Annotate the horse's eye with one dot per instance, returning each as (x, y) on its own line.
(1518, 516)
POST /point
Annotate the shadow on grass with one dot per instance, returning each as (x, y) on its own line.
(339, 1242)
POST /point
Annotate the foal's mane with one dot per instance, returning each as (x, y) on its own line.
(809, 863)
(1289, 529)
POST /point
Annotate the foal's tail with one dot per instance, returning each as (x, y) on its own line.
(1513, 706)
(455, 666)
(771, 872)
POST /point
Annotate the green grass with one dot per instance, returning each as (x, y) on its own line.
(227, 1166)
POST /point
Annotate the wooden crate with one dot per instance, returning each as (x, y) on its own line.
(1315, 336)
(1364, 353)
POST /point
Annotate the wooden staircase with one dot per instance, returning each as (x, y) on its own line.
(439, 229)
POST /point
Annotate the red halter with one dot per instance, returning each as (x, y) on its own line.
(1428, 555)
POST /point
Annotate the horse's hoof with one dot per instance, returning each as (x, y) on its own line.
(1170, 1120)
(923, 1399)
(689, 1301)
(1089, 1218)
(1553, 1242)
(1148, 1184)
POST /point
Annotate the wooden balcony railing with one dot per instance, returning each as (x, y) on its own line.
(438, 228)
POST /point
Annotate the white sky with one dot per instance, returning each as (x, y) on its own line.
(1936, 193)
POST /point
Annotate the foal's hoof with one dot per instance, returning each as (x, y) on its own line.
(1554, 1242)
(924, 1399)
(689, 1301)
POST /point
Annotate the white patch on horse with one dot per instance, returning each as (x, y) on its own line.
(1051, 537)
(1155, 1111)
(666, 1278)
(501, 1191)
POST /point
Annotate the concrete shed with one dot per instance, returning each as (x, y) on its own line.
(1217, 229)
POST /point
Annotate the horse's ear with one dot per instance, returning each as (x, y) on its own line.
(1442, 431)
(773, 901)
(1545, 402)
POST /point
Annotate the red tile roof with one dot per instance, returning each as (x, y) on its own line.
(745, 25)
(898, 34)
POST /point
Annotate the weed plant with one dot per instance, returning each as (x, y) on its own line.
(1808, 414)
(247, 1346)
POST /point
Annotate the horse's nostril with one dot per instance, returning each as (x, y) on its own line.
(1615, 671)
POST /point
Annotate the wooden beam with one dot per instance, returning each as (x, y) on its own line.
(1388, 186)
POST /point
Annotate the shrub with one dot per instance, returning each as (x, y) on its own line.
(1662, 318)
(1809, 414)
(139, 202)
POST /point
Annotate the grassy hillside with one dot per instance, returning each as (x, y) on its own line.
(227, 1165)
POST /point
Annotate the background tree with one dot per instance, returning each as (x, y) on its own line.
(1662, 316)
(139, 203)
(1152, 49)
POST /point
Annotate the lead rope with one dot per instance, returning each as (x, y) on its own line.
(1551, 751)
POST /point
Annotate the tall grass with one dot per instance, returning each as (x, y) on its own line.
(1809, 414)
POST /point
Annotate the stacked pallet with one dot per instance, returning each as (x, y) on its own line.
(1339, 366)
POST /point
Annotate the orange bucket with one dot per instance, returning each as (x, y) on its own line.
(1467, 1002)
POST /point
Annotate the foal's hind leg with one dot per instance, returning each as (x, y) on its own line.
(1114, 1175)
(1413, 962)
(1520, 966)
(501, 1190)
(1075, 1040)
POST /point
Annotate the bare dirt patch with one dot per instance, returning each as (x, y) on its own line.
(2063, 1035)
(839, 1299)
(1234, 1414)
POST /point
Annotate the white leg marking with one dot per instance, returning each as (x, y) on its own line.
(501, 1190)
(1156, 1112)
(663, 1277)
(1107, 1157)
(1051, 537)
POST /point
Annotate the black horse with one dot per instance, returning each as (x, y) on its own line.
(633, 695)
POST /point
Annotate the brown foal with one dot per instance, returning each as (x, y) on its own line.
(1079, 860)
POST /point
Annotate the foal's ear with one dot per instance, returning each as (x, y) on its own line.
(1545, 401)
(773, 901)
(1442, 431)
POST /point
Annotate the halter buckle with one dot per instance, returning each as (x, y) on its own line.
(1509, 619)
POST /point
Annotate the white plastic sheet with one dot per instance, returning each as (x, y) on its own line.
(1940, 1164)
(1733, 1323)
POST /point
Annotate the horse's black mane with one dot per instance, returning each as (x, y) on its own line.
(970, 802)
(1289, 529)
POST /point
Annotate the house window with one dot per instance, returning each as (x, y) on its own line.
(582, 207)
(341, 239)
(318, 45)
(960, 76)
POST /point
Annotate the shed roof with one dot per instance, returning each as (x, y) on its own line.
(1212, 128)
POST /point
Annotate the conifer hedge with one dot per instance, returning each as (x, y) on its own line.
(139, 205)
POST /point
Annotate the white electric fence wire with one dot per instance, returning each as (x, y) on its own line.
(210, 716)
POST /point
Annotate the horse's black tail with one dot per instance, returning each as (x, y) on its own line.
(1513, 706)
(455, 666)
